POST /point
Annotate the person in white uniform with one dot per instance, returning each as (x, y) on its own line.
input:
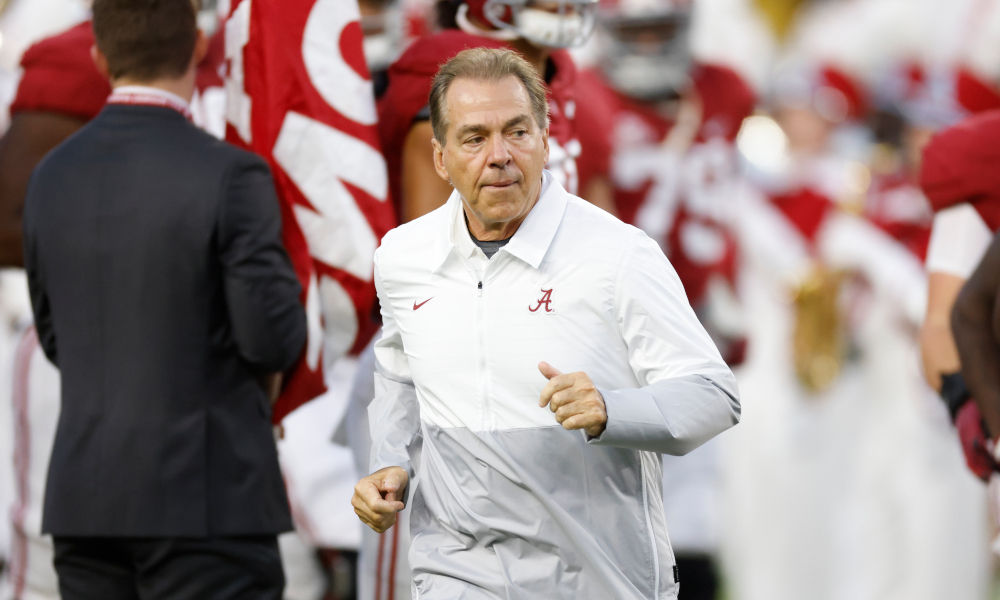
(533, 483)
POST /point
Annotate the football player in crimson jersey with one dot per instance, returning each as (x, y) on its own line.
(959, 175)
(959, 167)
(389, 26)
(538, 29)
(662, 127)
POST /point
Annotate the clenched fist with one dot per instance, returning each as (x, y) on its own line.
(575, 401)
(378, 497)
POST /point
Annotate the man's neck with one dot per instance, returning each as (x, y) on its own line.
(182, 87)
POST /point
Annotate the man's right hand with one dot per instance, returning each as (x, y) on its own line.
(378, 497)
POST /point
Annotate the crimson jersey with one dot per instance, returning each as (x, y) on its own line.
(679, 200)
(60, 76)
(960, 164)
(410, 85)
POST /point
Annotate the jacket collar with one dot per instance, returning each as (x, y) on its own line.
(530, 242)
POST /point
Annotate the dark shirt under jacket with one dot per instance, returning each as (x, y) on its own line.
(161, 290)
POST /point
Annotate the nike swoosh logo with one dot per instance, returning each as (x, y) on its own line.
(416, 306)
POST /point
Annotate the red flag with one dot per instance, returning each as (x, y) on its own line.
(299, 94)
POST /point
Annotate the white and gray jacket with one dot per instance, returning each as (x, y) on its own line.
(511, 505)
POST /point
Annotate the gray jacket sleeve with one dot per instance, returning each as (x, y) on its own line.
(687, 394)
(394, 415)
(262, 290)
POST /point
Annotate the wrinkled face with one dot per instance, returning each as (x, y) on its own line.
(494, 151)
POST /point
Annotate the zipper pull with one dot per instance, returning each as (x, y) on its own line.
(480, 293)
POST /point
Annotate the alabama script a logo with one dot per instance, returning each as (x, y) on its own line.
(545, 300)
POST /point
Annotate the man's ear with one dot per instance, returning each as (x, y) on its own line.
(439, 160)
(200, 48)
(100, 61)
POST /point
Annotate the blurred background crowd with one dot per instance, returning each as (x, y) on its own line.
(772, 147)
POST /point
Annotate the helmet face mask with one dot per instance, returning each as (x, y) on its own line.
(546, 23)
(384, 33)
(647, 57)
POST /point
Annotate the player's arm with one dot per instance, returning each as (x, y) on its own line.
(958, 241)
(600, 193)
(422, 189)
(975, 322)
(31, 136)
(594, 125)
(937, 346)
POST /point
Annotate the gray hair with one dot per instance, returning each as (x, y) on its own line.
(490, 65)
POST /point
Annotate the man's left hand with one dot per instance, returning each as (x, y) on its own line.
(575, 401)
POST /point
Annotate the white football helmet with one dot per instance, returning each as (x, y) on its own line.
(645, 49)
(548, 23)
(382, 24)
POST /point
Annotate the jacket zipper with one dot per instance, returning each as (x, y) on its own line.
(483, 368)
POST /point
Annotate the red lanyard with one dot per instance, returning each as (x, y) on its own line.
(149, 100)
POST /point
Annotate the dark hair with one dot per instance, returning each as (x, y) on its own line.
(146, 40)
(491, 65)
(446, 12)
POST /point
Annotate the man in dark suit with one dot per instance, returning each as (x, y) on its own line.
(163, 293)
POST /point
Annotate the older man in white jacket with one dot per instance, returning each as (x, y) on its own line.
(486, 302)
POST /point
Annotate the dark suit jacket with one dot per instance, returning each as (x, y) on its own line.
(162, 291)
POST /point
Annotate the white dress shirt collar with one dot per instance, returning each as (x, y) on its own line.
(143, 90)
(155, 95)
(533, 237)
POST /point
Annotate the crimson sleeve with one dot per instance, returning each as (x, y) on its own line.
(593, 128)
(959, 165)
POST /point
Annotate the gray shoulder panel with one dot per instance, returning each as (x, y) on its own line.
(672, 416)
